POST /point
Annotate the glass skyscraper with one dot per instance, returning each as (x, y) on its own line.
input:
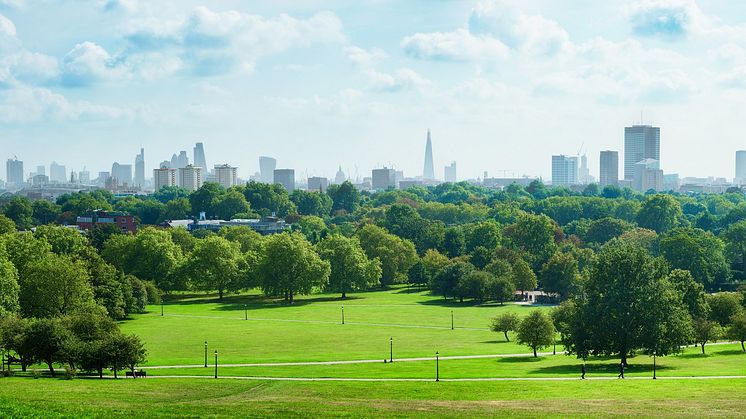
(640, 142)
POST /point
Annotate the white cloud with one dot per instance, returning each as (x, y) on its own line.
(459, 45)
(88, 62)
(401, 80)
(24, 104)
(735, 79)
(363, 57)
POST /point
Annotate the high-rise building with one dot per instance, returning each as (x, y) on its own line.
(383, 179)
(199, 157)
(584, 174)
(84, 177)
(648, 176)
(57, 173)
(340, 177)
(41, 170)
(140, 169)
(317, 184)
(267, 166)
(740, 167)
(226, 175)
(609, 174)
(103, 177)
(14, 172)
(640, 142)
(284, 177)
(165, 176)
(429, 172)
(190, 177)
(564, 170)
(450, 173)
(122, 173)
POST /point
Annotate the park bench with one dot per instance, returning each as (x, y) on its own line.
(137, 374)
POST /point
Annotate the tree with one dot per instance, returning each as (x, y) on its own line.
(167, 194)
(446, 281)
(126, 351)
(659, 213)
(217, 264)
(312, 202)
(46, 339)
(290, 266)
(64, 241)
(534, 235)
(485, 234)
(473, 285)
(692, 293)
(178, 209)
(432, 263)
(559, 274)
(536, 331)
(19, 210)
(9, 288)
(227, 205)
(345, 197)
(523, 276)
(312, 227)
(397, 255)
(602, 230)
(724, 305)
(698, 252)
(563, 316)
(100, 233)
(88, 332)
(203, 198)
(6, 225)
(506, 322)
(267, 199)
(453, 241)
(350, 268)
(737, 329)
(500, 288)
(706, 330)
(13, 331)
(53, 286)
(249, 240)
(735, 243)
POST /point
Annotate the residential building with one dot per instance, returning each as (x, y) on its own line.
(640, 142)
(450, 173)
(190, 177)
(226, 175)
(285, 177)
(564, 170)
(383, 179)
(14, 172)
(317, 184)
(165, 176)
(124, 221)
(609, 173)
(267, 166)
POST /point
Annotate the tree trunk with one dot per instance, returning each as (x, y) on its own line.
(132, 368)
(506, 335)
(100, 373)
(624, 358)
(291, 297)
(220, 294)
(535, 356)
(51, 367)
(742, 347)
(344, 295)
(115, 370)
(703, 348)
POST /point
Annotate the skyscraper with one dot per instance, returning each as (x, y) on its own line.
(122, 173)
(140, 169)
(165, 176)
(285, 177)
(267, 166)
(564, 170)
(383, 179)
(640, 142)
(740, 167)
(584, 174)
(190, 177)
(226, 175)
(57, 173)
(450, 173)
(177, 162)
(609, 173)
(199, 157)
(14, 172)
(429, 172)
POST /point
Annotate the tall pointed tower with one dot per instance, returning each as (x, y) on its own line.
(429, 171)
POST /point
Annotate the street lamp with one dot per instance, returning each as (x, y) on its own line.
(451, 319)
(391, 349)
(245, 312)
(205, 354)
(437, 369)
(343, 314)
(216, 363)
(161, 308)
(654, 365)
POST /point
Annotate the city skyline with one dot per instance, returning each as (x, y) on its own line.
(318, 85)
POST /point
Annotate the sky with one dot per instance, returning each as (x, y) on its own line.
(501, 84)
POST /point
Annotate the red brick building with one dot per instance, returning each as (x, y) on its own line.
(124, 221)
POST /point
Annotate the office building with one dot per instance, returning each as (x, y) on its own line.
(340, 176)
(640, 142)
(317, 184)
(740, 167)
(165, 176)
(648, 176)
(39, 180)
(267, 166)
(609, 173)
(564, 170)
(140, 169)
(14, 172)
(57, 173)
(199, 157)
(428, 173)
(450, 173)
(190, 177)
(226, 175)
(122, 174)
(284, 177)
(177, 162)
(41, 170)
(84, 177)
(584, 174)
(383, 179)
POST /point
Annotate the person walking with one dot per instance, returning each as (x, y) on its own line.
(582, 371)
(621, 370)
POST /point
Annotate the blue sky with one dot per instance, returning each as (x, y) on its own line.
(316, 84)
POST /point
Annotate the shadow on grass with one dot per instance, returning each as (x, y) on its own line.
(252, 302)
(605, 368)
(521, 359)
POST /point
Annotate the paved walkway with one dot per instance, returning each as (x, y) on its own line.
(711, 377)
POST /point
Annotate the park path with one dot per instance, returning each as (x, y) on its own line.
(605, 378)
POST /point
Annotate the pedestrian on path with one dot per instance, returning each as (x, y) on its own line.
(621, 370)
(582, 371)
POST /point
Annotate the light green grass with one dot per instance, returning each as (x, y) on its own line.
(311, 329)
(20, 397)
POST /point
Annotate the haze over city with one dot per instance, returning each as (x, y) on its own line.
(503, 85)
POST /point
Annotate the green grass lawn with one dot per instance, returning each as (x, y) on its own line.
(23, 397)
(311, 329)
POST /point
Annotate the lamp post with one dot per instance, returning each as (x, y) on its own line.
(654, 365)
(161, 308)
(391, 349)
(216, 363)
(451, 319)
(343, 314)
(437, 368)
(205, 354)
(245, 312)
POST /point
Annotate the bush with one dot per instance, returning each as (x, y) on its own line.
(36, 374)
(70, 373)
